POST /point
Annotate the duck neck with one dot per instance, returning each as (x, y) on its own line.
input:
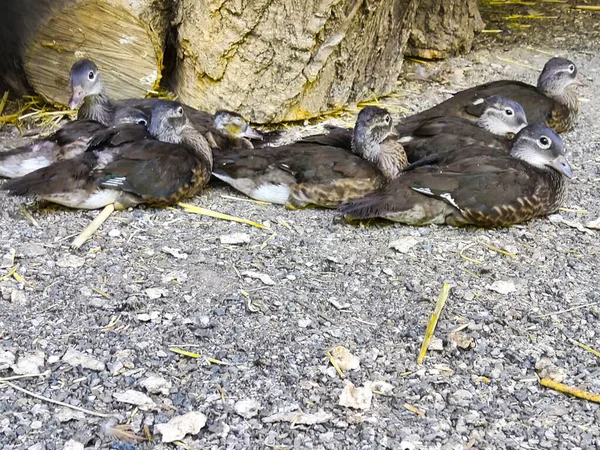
(364, 144)
(97, 107)
(197, 143)
(558, 185)
(559, 93)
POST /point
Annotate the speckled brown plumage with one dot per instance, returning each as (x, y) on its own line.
(482, 190)
(128, 173)
(550, 102)
(306, 173)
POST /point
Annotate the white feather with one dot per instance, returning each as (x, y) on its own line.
(114, 182)
(15, 167)
(82, 200)
(272, 193)
(405, 139)
(479, 101)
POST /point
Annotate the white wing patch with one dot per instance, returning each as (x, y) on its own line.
(272, 193)
(114, 182)
(479, 101)
(405, 139)
(445, 196)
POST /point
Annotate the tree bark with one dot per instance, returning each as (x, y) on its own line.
(289, 60)
(125, 38)
(444, 28)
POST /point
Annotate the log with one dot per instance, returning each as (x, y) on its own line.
(289, 60)
(444, 28)
(125, 38)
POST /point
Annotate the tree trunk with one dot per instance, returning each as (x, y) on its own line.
(125, 38)
(289, 60)
(444, 28)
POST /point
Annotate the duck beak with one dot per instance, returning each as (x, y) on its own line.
(561, 164)
(77, 95)
(251, 133)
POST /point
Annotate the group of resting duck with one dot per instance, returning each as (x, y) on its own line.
(489, 156)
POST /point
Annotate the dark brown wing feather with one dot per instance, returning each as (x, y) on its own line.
(487, 191)
(440, 135)
(538, 108)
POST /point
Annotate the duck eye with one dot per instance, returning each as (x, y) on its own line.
(180, 111)
(544, 142)
(571, 68)
(387, 118)
(91, 75)
(509, 112)
(142, 122)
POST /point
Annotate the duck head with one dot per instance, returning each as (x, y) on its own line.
(541, 147)
(168, 121)
(130, 115)
(557, 75)
(85, 80)
(235, 126)
(373, 125)
(502, 116)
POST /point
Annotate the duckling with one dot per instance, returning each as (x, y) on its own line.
(69, 141)
(500, 120)
(88, 93)
(158, 172)
(481, 190)
(550, 102)
(302, 174)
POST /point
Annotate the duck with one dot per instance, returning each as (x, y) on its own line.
(482, 190)
(551, 101)
(71, 140)
(310, 174)
(224, 129)
(176, 163)
(499, 120)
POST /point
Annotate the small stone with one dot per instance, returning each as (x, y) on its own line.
(76, 358)
(344, 359)
(404, 244)
(545, 368)
(176, 428)
(461, 340)
(18, 297)
(266, 279)
(503, 287)
(156, 384)
(36, 425)
(71, 261)
(114, 233)
(461, 397)
(67, 414)
(235, 239)
(156, 293)
(357, 398)
(247, 408)
(29, 364)
(304, 323)
(136, 398)
(177, 253)
(73, 445)
(7, 359)
(436, 344)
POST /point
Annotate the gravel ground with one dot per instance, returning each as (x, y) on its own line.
(99, 323)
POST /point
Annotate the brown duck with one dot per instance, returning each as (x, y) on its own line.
(224, 129)
(481, 190)
(69, 141)
(303, 174)
(161, 171)
(551, 102)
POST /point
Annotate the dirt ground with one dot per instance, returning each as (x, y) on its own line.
(99, 323)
